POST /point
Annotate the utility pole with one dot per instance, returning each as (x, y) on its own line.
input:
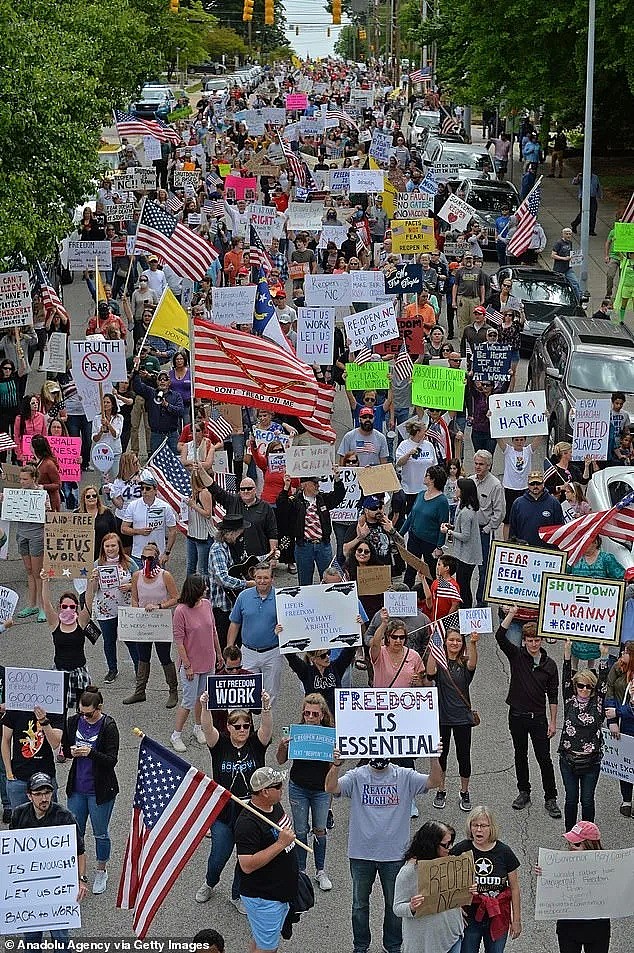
(587, 149)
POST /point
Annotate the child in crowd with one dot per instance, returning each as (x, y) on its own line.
(574, 503)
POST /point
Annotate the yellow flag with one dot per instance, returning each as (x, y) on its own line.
(389, 193)
(170, 320)
(101, 291)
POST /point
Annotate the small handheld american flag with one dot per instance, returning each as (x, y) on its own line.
(365, 354)
(403, 365)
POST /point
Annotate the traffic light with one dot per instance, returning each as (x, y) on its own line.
(174, 6)
(336, 11)
(247, 12)
(362, 33)
(269, 12)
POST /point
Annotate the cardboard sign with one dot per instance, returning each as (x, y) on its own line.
(591, 429)
(378, 323)
(514, 572)
(623, 237)
(57, 353)
(418, 564)
(492, 362)
(456, 212)
(520, 414)
(304, 216)
(379, 479)
(81, 255)
(138, 625)
(8, 602)
(414, 205)
(40, 880)
(400, 605)
(23, 506)
(295, 101)
(365, 181)
(26, 687)
(317, 617)
(584, 884)
(120, 211)
(618, 757)
(315, 460)
(438, 387)
(69, 540)
(241, 188)
(10, 475)
(139, 179)
(67, 452)
(234, 691)
(475, 620)
(412, 236)
(315, 335)
(16, 307)
(233, 305)
(297, 270)
(373, 580)
(406, 278)
(371, 376)
(386, 723)
(576, 607)
(311, 744)
(444, 883)
(97, 362)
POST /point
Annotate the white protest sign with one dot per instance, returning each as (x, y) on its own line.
(186, 178)
(368, 286)
(591, 429)
(16, 307)
(386, 722)
(26, 687)
(456, 212)
(97, 362)
(380, 149)
(233, 305)
(40, 880)
(315, 460)
(475, 620)
(327, 291)
(24, 506)
(220, 462)
(264, 220)
(400, 605)
(137, 625)
(445, 170)
(584, 884)
(56, 356)
(304, 216)
(378, 323)
(348, 509)
(514, 574)
(315, 335)
(151, 148)
(520, 414)
(332, 233)
(366, 180)
(618, 757)
(120, 210)
(81, 255)
(339, 180)
(255, 122)
(576, 259)
(139, 179)
(8, 602)
(102, 457)
(413, 205)
(317, 617)
(575, 607)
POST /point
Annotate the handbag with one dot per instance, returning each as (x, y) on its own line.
(582, 763)
(474, 714)
(92, 631)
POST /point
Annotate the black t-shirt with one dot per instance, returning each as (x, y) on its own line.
(277, 880)
(492, 867)
(30, 751)
(69, 649)
(310, 775)
(232, 768)
(452, 708)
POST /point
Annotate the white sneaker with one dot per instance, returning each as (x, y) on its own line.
(323, 881)
(413, 812)
(204, 893)
(100, 882)
(177, 743)
(199, 735)
(239, 906)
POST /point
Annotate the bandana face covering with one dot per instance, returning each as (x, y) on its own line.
(67, 616)
(150, 566)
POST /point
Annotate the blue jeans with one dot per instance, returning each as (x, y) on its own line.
(363, 874)
(318, 801)
(222, 844)
(342, 534)
(475, 933)
(309, 555)
(482, 441)
(79, 426)
(109, 631)
(16, 791)
(485, 539)
(198, 556)
(574, 281)
(500, 249)
(34, 938)
(156, 439)
(578, 788)
(84, 806)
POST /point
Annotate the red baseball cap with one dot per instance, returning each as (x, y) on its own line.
(583, 830)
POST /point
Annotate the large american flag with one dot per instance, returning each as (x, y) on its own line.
(294, 163)
(417, 76)
(128, 125)
(50, 298)
(164, 132)
(575, 537)
(449, 125)
(526, 216)
(174, 482)
(319, 424)
(174, 806)
(403, 365)
(258, 253)
(161, 233)
(342, 117)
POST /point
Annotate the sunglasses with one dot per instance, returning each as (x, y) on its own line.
(369, 400)
(353, 463)
(242, 726)
(398, 638)
(363, 552)
(90, 496)
(505, 285)
(323, 655)
(246, 489)
(68, 605)
(582, 686)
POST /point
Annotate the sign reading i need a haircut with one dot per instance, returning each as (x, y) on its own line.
(386, 722)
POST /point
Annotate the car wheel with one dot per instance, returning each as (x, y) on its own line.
(553, 438)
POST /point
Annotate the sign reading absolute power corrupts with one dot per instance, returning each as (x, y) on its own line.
(578, 607)
(413, 235)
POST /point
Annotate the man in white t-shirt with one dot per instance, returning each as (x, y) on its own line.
(150, 520)
(156, 279)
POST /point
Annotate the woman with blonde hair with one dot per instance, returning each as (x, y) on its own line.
(110, 586)
(199, 527)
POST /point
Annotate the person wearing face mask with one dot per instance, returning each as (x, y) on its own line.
(68, 623)
(110, 584)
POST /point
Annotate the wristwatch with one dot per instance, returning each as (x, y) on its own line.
(83, 879)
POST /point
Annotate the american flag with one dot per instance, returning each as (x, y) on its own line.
(319, 424)
(447, 590)
(6, 442)
(50, 298)
(214, 207)
(227, 481)
(164, 132)
(221, 427)
(628, 214)
(449, 125)
(575, 537)
(438, 434)
(365, 354)
(494, 317)
(258, 253)
(526, 216)
(174, 204)
(403, 365)
(174, 806)
(417, 76)
(128, 125)
(437, 645)
(294, 163)
(174, 482)
(186, 252)
(549, 470)
(342, 116)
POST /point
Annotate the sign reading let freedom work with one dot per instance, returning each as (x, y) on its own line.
(576, 607)
(386, 722)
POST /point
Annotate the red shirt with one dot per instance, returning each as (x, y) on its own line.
(441, 605)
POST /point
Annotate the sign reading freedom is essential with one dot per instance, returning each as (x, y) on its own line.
(138, 625)
(411, 236)
(316, 460)
(386, 723)
(520, 414)
(26, 687)
(584, 884)
(234, 691)
(578, 607)
(310, 743)
(16, 307)
(23, 506)
(439, 387)
(444, 882)
(69, 540)
(378, 323)
(317, 617)
(514, 574)
(371, 376)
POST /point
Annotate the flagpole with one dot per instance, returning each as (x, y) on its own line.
(190, 322)
(97, 287)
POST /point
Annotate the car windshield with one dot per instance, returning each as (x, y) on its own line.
(489, 200)
(468, 160)
(550, 292)
(602, 373)
(427, 120)
(154, 95)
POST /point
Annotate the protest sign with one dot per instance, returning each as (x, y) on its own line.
(456, 212)
(297, 270)
(406, 278)
(264, 219)
(10, 475)
(336, 234)
(414, 205)
(151, 148)
(234, 691)
(137, 625)
(584, 884)
(411, 236)
(348, 509)
(439, 387)
(475, 620)
(194, 218)
(315, 460)
(109, 578)
(255, 122)
(315, 335)
(276, 461)
(69, 540)
(575, 607)
(618, 756)
(367, 286)
(305, 216)
(445, 170)
(492, 362)
(120, 211)
(233, 305)
(415, 562)
(378, 324)
(361, 97)
(365, 180)
(379, 479)
(67, 452)
(312, 128)
(276, 115)
(591, 429)
(16, 307)
(224, 169)
(328, 291)
(454, 249)
(26, 687)
(310, 743)
(139, 179)
(339, 180)
(241, 188)
(23, 506)
(386, 723)
(520, 414)
(317, 617)
(40, 880)
(220, 462)
(8, 602)
(373, 580)
(514, 573)
(623, 237)
(400, 605)
(97, 362)
(296, 101)
(82, 255)
(445, 883)
(370, 376)
(56, 353)
(380, 149)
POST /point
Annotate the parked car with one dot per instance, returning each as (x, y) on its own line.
(487, 198)
(155, 101)
(576, 359)
(217, 84)
(607, 488)
(544, 295)
(423, 123)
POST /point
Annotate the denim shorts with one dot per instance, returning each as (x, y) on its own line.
(266, 919)
(192, 690)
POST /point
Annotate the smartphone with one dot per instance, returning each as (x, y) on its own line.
(286, 731)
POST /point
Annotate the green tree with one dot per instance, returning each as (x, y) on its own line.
(224, 41)
(349, 46)
(263, 38)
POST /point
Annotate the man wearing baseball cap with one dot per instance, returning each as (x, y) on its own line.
(148, 520)
(369, 444)
(267, 859)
